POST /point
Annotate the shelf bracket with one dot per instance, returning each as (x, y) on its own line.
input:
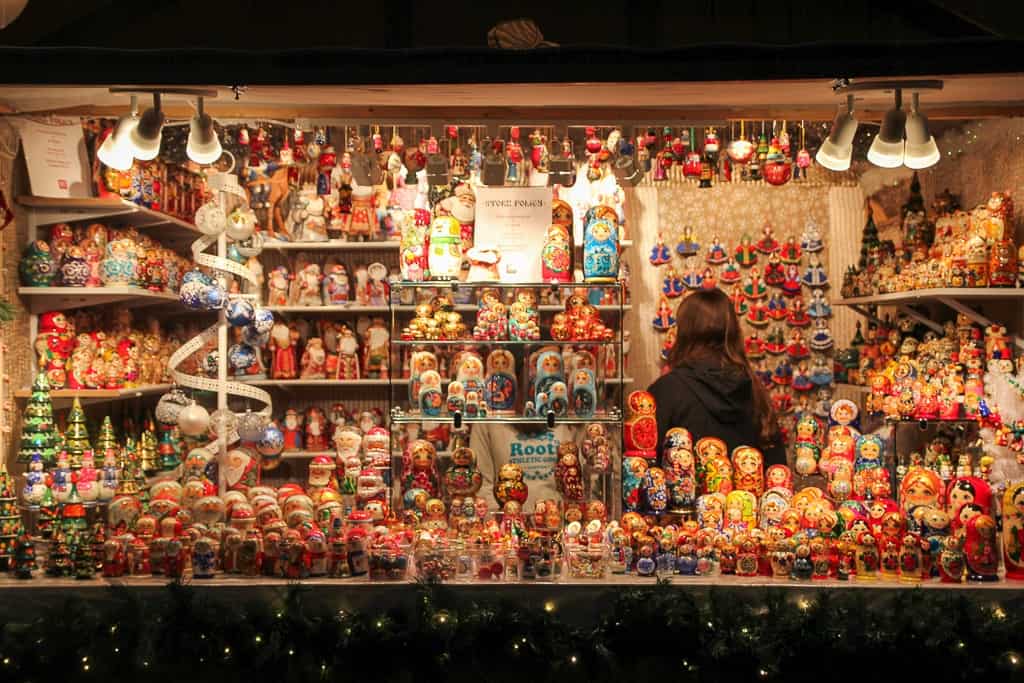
(864, 312)
(974, 315)
(914, 315)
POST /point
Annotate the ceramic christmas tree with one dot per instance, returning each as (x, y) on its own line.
(49, 510)
(76, 436)
(38, 433)
(167, 447)
(72, 512)
(147, 449)
(24, 557)
(106, 438)
(58, 562)
(80, 552)
(10, 519)
(131, 473)
(869, 243)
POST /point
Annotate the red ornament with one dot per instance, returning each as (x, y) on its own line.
(778, 173)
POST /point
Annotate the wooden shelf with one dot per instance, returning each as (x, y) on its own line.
(50, 210)
(305, 455)
(315, 382)
(856, 388)
(926, 295)
(41, 299)
(95, 395)
(330, 245)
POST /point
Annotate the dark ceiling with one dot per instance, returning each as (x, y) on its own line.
(253, 25)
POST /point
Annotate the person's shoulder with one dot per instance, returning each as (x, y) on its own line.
(669, 379)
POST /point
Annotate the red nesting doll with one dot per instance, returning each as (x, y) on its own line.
(640, 431)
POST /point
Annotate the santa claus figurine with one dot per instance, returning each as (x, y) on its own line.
(240, 471)
(314, 360)
(54, 343)
(292, 430)
(280, 345)
(316, 429)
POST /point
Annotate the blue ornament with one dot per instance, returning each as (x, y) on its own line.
(262, 320)
(193, 294)
(272, 441)
(239, 312)
(253, 337)
(235, 255)
(241, 357)
(197, 276)
(215, 298)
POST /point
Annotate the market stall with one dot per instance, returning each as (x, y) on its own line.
(275, 345)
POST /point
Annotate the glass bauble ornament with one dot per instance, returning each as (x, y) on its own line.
(239, 312)
(271, 442)
(214, 298)
(251, 425)
(262, 320)
(196, 275)
(223, 422)
(193, 294)
(210, 219)
(252, 246)
(241, 357)
(193, 420)
(169, 405)
(240, 225)
(254, 338)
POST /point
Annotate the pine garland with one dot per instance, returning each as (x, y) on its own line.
(656, 633)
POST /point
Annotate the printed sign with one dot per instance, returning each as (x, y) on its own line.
(56, 157)
(514, 220)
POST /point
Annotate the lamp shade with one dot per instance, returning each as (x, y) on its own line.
(921, 150)
(203, 144)
(145, 137)
(887, 147)
(835, 153)
(116, 150)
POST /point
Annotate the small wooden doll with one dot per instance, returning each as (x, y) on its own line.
(277, 286)
(430, 398)
(314, 360)
(316, 429)
(584, 392)
(569, 472)
(463, 478)
(600, 246)
(748, 470)
(348, 354)
(951, 559)
(471, 374)
(633, 471)
(911, 554)
(556, 255)
(1013, 530)
(420, 362)
(509, 486)
(500, 389)
(455, 401)
(680, 469)
(640, 431)
(284, 364)
(981, 553)
(867, 557)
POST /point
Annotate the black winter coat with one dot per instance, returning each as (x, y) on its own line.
(711, 401)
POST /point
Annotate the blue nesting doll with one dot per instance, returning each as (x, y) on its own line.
(548, 372)
(500, 382)
(584, 393)
(600, 245)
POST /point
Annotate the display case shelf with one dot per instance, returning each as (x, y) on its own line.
(305, 455)
(507, 342)
(352, 308)
(609, 417)
(330, 245)
(42, 299)
(543, 308)
(939, 295)
(316, 382)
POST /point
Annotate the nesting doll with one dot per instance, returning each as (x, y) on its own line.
(556, 256)
(500, 389)
(981, 553)
(740, 511)
(463, 478)
(640, 431)
(420, 467)
(1013, 531)
(748, 470)
(634, 469)
(455, 402)
(569, 472)
(714, 466)
(584, 392)
(430, 398)
(870, 478)
(509, 486)
(680, 469)
(419, 362)
(600, 246)
(655, 490)
(470, 373)
(711, 510)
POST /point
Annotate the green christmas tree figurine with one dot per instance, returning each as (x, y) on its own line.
(10, 519)
(49, 510)
(82, 561)
(167, 447)
(869, 244)
(38, 434)
(58, 562)
(24, 557)
(106, 438)
(76, 436)
(72, 512)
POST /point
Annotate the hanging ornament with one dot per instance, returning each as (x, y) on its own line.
(240, 224)
(271, 442)
(223, 422)
(210, 219)
(240, 312)
(193, 420)
(740, 150)
(170, 405)
(251, 425)
(262, 320)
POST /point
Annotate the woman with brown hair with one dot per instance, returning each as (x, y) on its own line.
(711, 389)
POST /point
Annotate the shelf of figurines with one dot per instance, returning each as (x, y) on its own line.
(345, 245)
(359, 309)
(938, 294)
(610, 416)
(42, 299)
(89, 395)
(49, 210)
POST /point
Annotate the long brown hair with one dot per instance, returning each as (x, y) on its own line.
(708, 332)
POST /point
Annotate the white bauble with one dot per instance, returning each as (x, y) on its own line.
(210, 219)
(240, 225)
(251, 425)
(223, 422)
(193, 420)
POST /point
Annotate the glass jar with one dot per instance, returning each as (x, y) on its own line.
(588, 561)
(539, 559)
(389, 562)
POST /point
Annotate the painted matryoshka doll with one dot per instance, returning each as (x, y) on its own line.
(711, 510)
(500, 390)
(584, 392)
(556, 256)
(920, 487)
(600, 246)
(715, 470)
(37, 267)
(971, 492)
(1013, 531)
(419, 362)
(640, 431)
(779, 477)
(740, 511)
(981, 552)
(870, 478)
(774, 504)
(430, 399)
(748, 470)
(680, 469)
(634, 469)
(471, 374)
(548, 372)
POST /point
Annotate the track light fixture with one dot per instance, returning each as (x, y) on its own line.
(203, 144)
(117, 150)
(921, 150)
(887, 148)
(145, 137)
(837, 149)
